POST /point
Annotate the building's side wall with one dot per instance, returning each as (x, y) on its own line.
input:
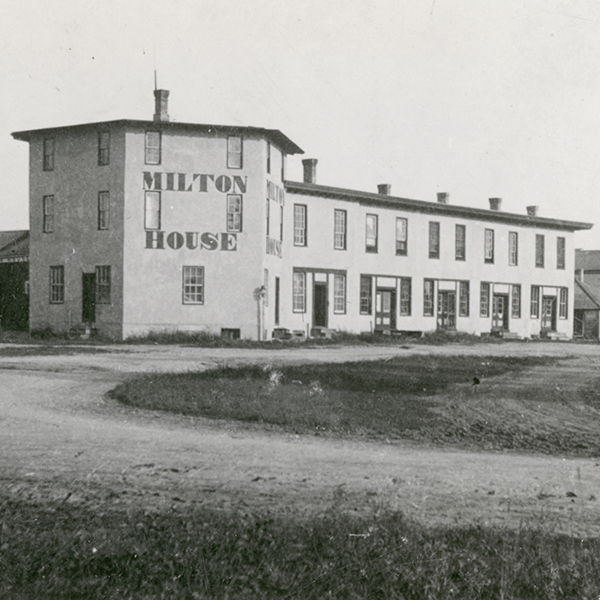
(320, 257)
(194, 182)
(76, 243)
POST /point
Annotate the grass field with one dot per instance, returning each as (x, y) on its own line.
(466, 401)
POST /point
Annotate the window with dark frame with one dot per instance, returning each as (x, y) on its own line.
(434, 240)
(153, 150)
(281, 223)
(193, 284)
(266, 286)
(300, 236)
(48, 158)
(268, 157)
(539, 250)
(268, 214)
(560, 252)
(401, 236)
(339, 229)
(48, 214)
(534, 309)
(461, 243)
(428, 291)
(103, 210)
(405, 296)
(57, 285)
(282, 166)
(489, 246)
(234, 152)
(463, 299)
(299, 292)
(484, 300)
(371, 233)
(563, 303)
(152, 210)
(103, 148)
(103, 285)
(366, 295)
(234, 212)
(515, 311)
(513, 248)
(339, 293)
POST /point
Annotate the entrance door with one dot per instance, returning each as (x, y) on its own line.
(320, 304)
(88, 298)
(446, 310)
(500, 313)
(548, 313)
(385, 310)
(276, 300)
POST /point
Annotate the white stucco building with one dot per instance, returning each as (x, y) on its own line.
(139, 226)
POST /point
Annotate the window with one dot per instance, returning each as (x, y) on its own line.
(299, 292)
(268, 213)
(371, 237)
(103, 285)
(268, 157)
(539, 250)
(489, 246)
(515, 304)
(153, 148)
(48, 161)
(266, 286)
(103, 147)
(234, 212)
(434, 240)
(152, 210)
(513, 248)
(339, 229)
(401, 236)
(405, 296)
(234, 152)
(484, 300)
(535, 301)
(48, 224)
(463, 299)
(560, 252)
(428, 286)
(282, 166)
(193, 285)
(563, 303)
(103, 210)
(57, 285)
(299, 225)
(339, 293)
(366, 295)
(281, 223)
(461, 242)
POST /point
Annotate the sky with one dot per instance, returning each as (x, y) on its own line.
(479, 99)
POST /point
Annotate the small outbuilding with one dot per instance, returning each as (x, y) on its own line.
(587, 295)
(14, 280)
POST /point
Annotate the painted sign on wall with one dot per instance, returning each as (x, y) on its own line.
(192, 240)
(194, 182)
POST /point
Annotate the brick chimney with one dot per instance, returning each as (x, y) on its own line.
(532, 211)
(384, 188)
(310, 170)
(443, 197)
(161, 106)
(495, 203)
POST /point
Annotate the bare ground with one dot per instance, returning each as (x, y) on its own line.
(63, 439)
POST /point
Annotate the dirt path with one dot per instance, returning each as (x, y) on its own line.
(61, 436)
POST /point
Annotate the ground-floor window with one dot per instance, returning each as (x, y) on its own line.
(103, 285)
(463, 299)
(366, 295)
(405, 296)
(428, 287)
(193, 285)
(516, 302)
(535, 302)
(484, 300)
(57, 285)
(339, 293)
(299, 292)
(563, 303)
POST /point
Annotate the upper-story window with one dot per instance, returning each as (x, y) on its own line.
(513, 248)
(434, 239)
(401, 236)
(371, 233)
(268, 157)
(539, 250)
(103, 210)
(234, 212)
(48, 214)
(234, 152)
(48, 161)
(300, 225)
(153, 149)
(152, 210)
(460, 252)
(560, 252)
(489, 246)
(339, 229)
(103, 147)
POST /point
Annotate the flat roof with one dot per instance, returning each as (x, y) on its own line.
(434, 208)
(276, 136)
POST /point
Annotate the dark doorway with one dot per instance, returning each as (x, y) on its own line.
(276, 300)
(320, 304)
(548, 313)
(500, 313)
(385, 311)
(88, 298)
(446, 310)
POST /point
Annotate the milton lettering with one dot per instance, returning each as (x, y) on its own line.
(194, 182)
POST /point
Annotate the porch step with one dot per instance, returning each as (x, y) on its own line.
(82, 331)
(556, 336)
(322, 332)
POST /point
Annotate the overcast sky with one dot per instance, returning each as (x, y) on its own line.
(481, 98)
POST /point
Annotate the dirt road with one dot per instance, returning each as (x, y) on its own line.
(61, 438)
